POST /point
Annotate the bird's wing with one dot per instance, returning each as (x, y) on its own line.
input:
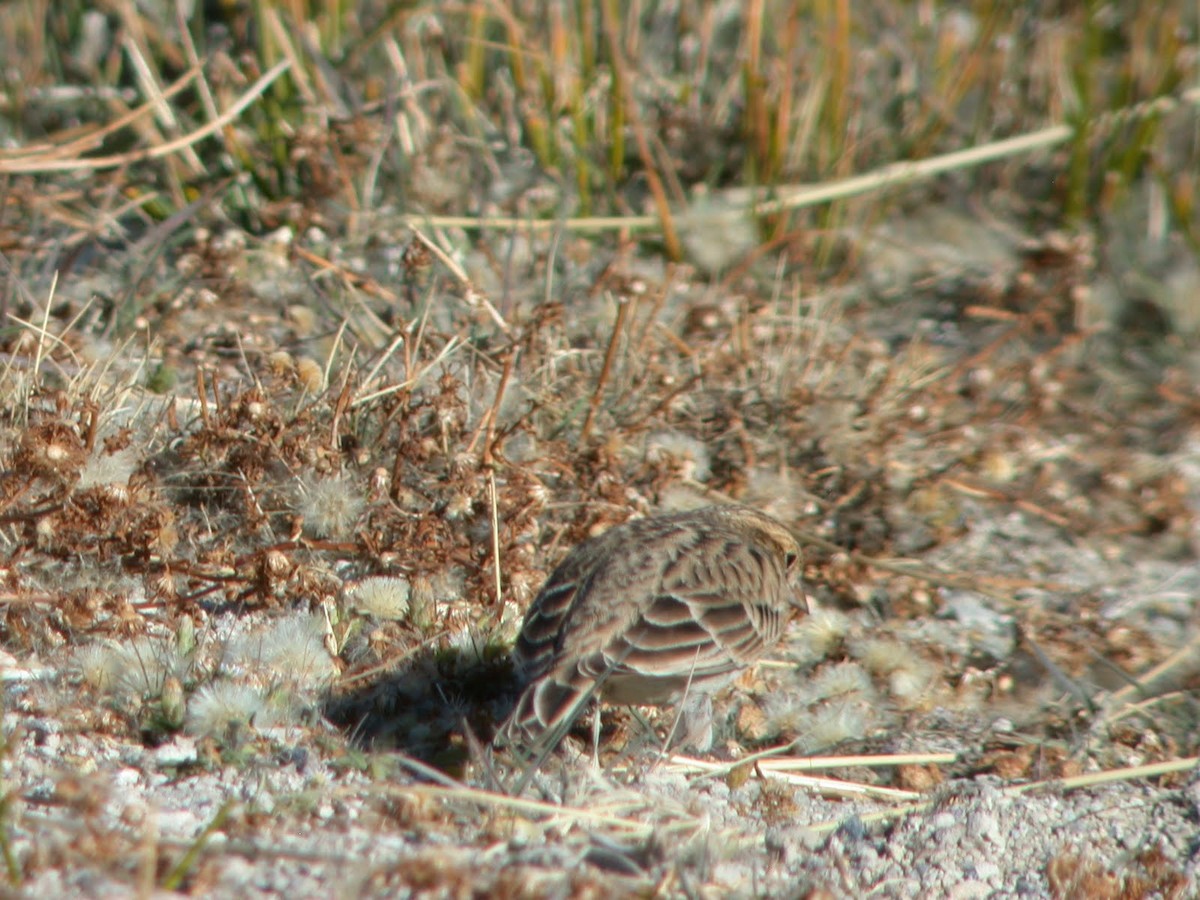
(716, 606)
(674, 607)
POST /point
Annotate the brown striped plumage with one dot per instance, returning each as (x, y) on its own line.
(651, 610)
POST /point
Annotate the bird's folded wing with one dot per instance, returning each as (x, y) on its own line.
(700, 636)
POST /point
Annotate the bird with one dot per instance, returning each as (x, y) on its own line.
(651, 612)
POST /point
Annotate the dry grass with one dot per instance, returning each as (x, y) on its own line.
(307, 297)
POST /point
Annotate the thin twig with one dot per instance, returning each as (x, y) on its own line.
(623, 304)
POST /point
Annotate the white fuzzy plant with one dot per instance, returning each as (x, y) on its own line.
(265, 678)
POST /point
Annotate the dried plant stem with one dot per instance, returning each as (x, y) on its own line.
(495, 535)
(202, 396)
(339, 410)
(756, 126)
(978, 490)
(792, 198)
(487, 426)
(623, 304)
(1168, 673)
(39, 164)
(451, 345)
(74, 148)
(334, 346)
(382, 361)
(364, 283)
(773, 759)
(472, 293)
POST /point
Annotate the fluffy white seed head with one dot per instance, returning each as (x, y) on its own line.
(832, 724)
(97, 665)
(841, 680)
(687, 453)
(818, 635)
(290, 651)
(910, 685)
(131, 669)
(381, 597)
(330, 506)
(109, 468)
(222, 707)
(883, 657)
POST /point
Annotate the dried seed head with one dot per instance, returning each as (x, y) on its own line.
(841, 680)
(689, 455)
(45, 531)
(463, 464)
(145, 665)
(833, 723)
(909, 676)
(134, 669)
(331, 506)
(910, 685)
(277, 564)
(291, 651)
(310, 375)
(382, 597)
(96, 665)
(51, 450)
(416, 258)
(281, 363)
(819, 635)
(223, 708)
(459, 507)
(882, 657)
(302, 319)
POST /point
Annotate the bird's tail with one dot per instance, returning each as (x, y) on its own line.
(544, 713)
(546, 710)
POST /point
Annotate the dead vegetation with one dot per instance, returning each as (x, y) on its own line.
(325, 338)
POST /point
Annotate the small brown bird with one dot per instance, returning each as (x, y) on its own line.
(651, 611)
